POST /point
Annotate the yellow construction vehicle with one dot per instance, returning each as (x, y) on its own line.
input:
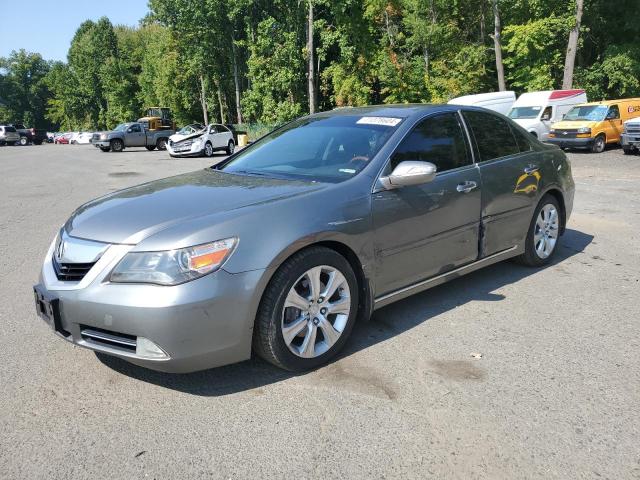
(158, 118)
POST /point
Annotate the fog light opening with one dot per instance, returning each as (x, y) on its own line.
(147, 349)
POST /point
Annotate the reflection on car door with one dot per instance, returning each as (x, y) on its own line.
(424, 230)
(511, 171)
(135, 136)
(215, 136)
(613, 127)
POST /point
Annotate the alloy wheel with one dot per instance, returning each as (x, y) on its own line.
(546, 231)
(208, 150)
(316, 311)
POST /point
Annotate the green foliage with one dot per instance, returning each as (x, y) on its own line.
(535, 52)
(195, 56)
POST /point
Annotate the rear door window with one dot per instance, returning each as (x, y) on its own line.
(493, 135)
(9, 129)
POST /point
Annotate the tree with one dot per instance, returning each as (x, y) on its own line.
(497, 42)
(572, 47)
(23, 89)
(311, 84)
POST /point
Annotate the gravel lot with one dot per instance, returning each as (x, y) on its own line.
(556, 393)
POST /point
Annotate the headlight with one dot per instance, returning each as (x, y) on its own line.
(173, 266)
(584, 130)
(103, 136)
(552, 130)
(197, 141)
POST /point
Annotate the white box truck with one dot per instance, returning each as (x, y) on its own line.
(500, 102)
(536, 111)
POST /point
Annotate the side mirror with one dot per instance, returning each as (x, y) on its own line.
(129, 130)
(545, 118)
(612, 116)
(409, 173)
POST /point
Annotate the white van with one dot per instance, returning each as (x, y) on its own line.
(536, 111)
(500, 102)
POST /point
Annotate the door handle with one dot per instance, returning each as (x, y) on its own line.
(531, 169)
(466, 187)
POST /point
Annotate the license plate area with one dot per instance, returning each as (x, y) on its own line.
(48, 309)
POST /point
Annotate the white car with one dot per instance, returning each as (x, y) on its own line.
(214, 137)
(81, 138)
(537, 111)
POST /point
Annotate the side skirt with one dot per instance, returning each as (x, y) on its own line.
(445, 277)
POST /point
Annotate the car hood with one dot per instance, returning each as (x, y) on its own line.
(176, 137)
(571, 124)
(131, 215)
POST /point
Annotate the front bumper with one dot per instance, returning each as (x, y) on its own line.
(101, 143)
(198, 325)
(194, 150)
(570, 142)
(630, 140)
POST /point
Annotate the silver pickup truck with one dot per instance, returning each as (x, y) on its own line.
(131, 134)
(630, 138)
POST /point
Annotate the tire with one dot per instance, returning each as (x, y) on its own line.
(151, 148)
(117, 145)
(23, 141)
(161, 144)
(548, 241)
(274, 318)
(231, 146)
(105, 149)
(599, 144)
(208, 149)
(2, 143)
(627, 150)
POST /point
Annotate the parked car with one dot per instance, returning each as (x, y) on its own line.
(285, 244)
(132, 134)
(500, 102)
(205, 142)
(630, 138)
(8, 135)
(594, 125)
(63, 138)
(81, 138)
(30, 135)
(536, 111)
(186, 131)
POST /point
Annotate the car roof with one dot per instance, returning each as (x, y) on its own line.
(612, 102)
(404, 110)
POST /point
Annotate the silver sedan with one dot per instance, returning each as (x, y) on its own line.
(281, 248)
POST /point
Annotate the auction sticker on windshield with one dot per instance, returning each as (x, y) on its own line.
(387, 121)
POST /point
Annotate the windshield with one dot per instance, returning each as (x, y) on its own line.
(328, 149)
(120, 127)
(524, 112)
(594, 113)
(9, 129)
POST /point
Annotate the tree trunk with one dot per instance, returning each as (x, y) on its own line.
(310, 65)
(203, 101)
(220, 103)
(497, 42)
(236, 79)
(572, 48)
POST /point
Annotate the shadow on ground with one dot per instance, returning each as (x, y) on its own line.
(387, 322)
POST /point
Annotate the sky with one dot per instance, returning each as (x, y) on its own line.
(47, 27)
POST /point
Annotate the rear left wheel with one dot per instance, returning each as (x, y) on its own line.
(151, 148)
(161, 144)
(307, 311)
(544, 233)
(23, 141)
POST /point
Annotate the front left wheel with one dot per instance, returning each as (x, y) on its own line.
(307, 311)
(231, 146)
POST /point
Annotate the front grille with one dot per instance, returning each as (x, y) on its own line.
(107, 338)
(71, 272)
(633, 129)
(567, 133)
